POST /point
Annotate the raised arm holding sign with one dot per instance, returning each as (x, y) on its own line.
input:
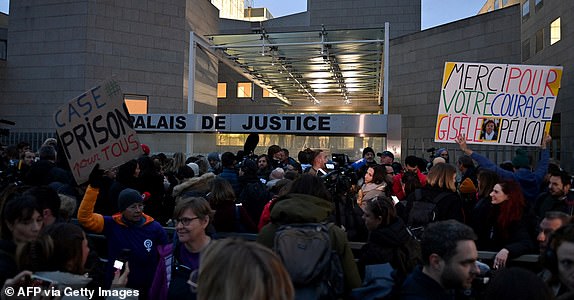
(95, 127)
(529, 180)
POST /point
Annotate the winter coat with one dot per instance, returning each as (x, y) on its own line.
(226, 220)
(450, 207)
(193, 187)
(301, 208)
(7, 260)
(391, 244)
(529, 181)
(491, 237)
(254, 196)
(397, 184)
(140, 238)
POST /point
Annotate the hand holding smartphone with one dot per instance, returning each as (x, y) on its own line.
(120, 261)
(43, 282)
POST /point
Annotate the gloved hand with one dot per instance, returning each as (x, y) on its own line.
(96, 177)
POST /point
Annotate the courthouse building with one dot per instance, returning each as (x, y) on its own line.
(187, 57)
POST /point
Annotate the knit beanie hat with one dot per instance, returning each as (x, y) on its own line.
(521, 159)
(367, 150)
(128, 197)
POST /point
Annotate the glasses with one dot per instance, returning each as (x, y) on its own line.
(136, 207)
(444, 155)
(185, 221)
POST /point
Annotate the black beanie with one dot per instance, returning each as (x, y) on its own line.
(128, 197)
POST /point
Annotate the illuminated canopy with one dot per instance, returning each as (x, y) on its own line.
(327, 68)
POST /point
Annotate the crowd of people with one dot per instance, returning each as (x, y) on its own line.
(167, 218)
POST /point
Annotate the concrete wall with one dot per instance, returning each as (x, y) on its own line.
(559, 53)
(58, 49)
(417, 63)
(404, 15)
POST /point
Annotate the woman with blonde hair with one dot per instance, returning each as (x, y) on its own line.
(440, 190)
(251, 271)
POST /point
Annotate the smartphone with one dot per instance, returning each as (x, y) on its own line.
(122, 259)
(43, 282)
(118, 264)
(395, 199)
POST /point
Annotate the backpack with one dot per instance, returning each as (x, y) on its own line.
(422, 212)
(314, 266)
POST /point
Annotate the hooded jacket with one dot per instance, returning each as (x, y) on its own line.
(195, 185)
(301, 208)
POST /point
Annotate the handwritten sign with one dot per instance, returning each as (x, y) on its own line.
(497, 103)
(95, 127)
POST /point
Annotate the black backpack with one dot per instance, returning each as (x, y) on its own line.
(422, 212)
(314, 266)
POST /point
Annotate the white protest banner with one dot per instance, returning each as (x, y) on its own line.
(94, 128)
(497, 103)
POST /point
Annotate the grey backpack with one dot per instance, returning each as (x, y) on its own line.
(314, 266)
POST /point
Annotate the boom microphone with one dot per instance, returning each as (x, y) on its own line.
(250, 144)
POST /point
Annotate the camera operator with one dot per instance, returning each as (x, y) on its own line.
(342, 183)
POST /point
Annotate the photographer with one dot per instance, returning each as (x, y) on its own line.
(341, 184)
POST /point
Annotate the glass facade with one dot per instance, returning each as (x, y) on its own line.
(350, 145)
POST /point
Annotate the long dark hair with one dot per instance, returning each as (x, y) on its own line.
(383, 207)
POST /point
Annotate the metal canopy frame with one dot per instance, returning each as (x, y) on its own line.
(336, 68)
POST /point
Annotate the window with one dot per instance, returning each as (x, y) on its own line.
(538, 4)
(244, 89)
(539, 40)
(3, 47)
(137, 104)
(504, 2)
(554, 31)
(496, 4)
(221, 90)
(268, 94)
(526, 50)
(525, 9)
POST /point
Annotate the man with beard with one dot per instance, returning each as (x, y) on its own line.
(449, 262)
(556, 199)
